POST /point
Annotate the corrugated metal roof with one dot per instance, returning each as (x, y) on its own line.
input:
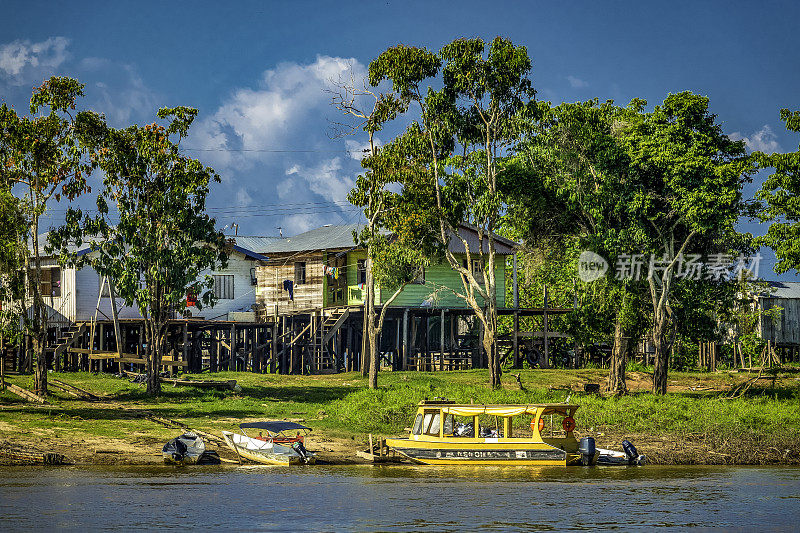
(332, 237)
(783, 289)
(324, 238)
(501, 245)
(86, 247)
(256, 244)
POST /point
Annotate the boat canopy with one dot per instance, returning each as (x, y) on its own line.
(273, 427)
(503, 410)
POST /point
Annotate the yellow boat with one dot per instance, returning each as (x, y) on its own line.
(444, 434)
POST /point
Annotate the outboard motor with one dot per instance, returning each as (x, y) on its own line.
(301, 450)
(587, 449)
(633, 455)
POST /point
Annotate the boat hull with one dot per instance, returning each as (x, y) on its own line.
(263, 452)
(483, 453)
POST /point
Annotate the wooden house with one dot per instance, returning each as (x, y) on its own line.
(74, 295)
(324, 268)
(784, 331)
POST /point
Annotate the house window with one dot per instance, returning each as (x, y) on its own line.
(50, 282)
(361, 272)
(223, 287)
(300, 273)
(476, 269)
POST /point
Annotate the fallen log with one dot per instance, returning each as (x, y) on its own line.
(203, 384)
(72, 389)
(23, 393)
(19, 457)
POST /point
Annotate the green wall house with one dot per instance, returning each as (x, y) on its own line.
(326, 268)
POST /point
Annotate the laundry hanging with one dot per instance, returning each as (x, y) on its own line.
(288, 285)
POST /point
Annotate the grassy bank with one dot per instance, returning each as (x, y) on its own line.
(695, 423)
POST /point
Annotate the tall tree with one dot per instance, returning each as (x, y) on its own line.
(157, 240)
(45, 157)
(688, 179)
(12, 260)
(572, 181)
(397, 260)
(459, 142)
(781, 194)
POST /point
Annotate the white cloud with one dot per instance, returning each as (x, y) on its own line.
(359, 150)
(325, 179)
(764, 140)
(577, 83)
(270, 143)
(254, 124)
(22, 61)
(294, 224)
(243, 197)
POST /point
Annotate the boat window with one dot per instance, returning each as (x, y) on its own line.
(417, 428)
(431, 423)
(448, 424)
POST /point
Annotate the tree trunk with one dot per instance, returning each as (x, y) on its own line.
(619, 359)
(490, 347)
(364, 366)
(661, 356)
(153, 358)
(368, 354)
(38, 328)
(374, 360)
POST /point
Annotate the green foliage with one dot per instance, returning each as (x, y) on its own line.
(44, 157)
(163, 238)
(781, 193)
(470, 97)
(12, 261)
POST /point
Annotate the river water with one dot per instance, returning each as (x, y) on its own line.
(399, 498)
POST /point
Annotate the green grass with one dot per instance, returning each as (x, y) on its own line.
(342, 406)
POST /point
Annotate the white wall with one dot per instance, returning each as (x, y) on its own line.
(244, 294)
(87, 286)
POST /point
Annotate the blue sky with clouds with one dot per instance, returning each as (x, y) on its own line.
(258, 73)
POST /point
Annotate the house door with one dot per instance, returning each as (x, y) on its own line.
(337, 280)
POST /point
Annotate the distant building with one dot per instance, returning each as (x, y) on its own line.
(325, 268)
(785, 331)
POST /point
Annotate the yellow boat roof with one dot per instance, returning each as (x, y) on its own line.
(470, 409)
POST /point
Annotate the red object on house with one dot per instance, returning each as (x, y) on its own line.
(191, 300)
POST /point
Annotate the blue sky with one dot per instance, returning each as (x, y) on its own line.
(257, 71)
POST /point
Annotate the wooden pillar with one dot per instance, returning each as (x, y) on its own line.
(2, 363)
(213, 350)
(404, 355)
(185, 347)
(546, 330)
(316, 356)
(291, 348)
(441, 340)
(425, 329)
(517, 362)
(232, 355)
(273, 363)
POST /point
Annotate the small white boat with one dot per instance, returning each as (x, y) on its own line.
(613, 458)
(276, 448)
(188, 449)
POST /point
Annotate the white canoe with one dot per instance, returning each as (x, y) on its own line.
(265, 452)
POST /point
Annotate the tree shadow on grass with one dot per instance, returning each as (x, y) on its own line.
(293, 393)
